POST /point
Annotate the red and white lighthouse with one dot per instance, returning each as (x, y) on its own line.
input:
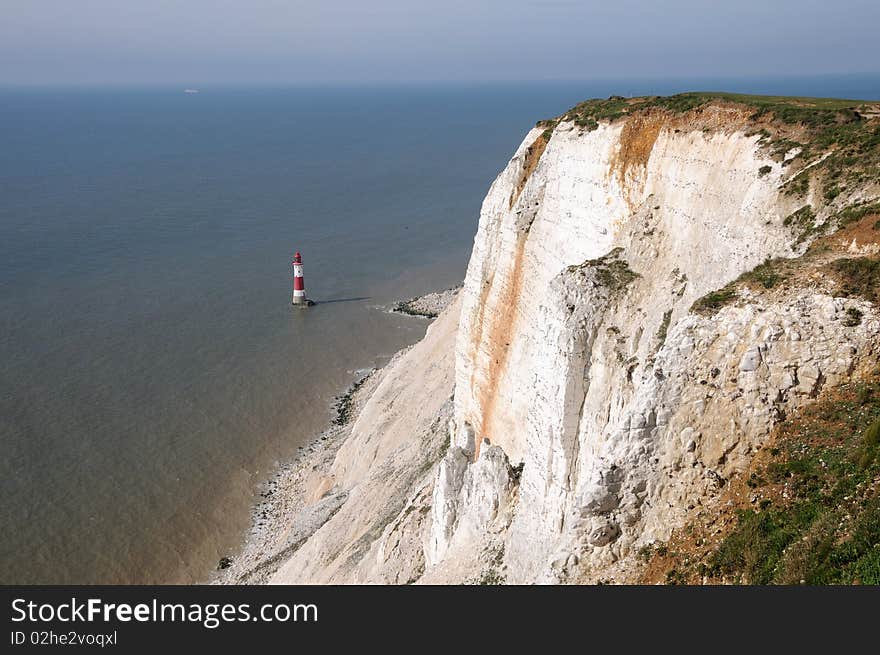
(299, 285)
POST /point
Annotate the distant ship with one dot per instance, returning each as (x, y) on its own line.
(190, 90)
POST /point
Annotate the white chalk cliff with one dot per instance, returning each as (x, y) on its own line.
(570, 406)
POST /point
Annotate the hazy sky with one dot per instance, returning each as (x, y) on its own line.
(279, 41)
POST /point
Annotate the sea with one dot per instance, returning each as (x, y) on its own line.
(153, 373)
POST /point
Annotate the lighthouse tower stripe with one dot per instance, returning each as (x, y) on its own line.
(299, 287)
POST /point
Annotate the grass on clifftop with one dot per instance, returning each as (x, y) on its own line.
(842, 137)
(813, 112)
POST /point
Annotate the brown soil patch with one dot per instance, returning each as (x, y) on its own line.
(532, 157)
(640, 132)
(499, 334)
(637, 140)
(864, 234)
(499, 331)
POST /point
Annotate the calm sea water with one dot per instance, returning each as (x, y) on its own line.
(152, 372)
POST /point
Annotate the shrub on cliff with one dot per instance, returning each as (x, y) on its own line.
(714, 300)
(860, 277)
(803, 223)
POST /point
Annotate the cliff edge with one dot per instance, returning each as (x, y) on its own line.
(655, 284)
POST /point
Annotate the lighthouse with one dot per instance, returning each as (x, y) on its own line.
(299, 286)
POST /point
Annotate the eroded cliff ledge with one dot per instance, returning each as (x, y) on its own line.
(651, 290)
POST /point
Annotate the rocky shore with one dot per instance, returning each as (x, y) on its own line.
(280, 524)
(428, 306)
(297, 500)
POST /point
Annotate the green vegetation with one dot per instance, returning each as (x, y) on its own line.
(766, 275)
(853, 317)
(588, 114)
(549, 125)
(764, 170)
(870, 447)
(616, 275)
(675, 577)
(715, 300)
(854, 158)
(855, 213)
(493, 575)
(803, 223)
(797, 186)
(793, 108)
(860, 277)
(832, 129)
(825, 528)
(664, 328)
(611, 271)
(813, 112)
(780, 146)
(646, 552)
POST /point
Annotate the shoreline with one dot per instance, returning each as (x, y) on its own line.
(274, 533)
(292, 506)
(427, 306)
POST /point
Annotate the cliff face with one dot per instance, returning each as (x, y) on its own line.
(595, 404)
